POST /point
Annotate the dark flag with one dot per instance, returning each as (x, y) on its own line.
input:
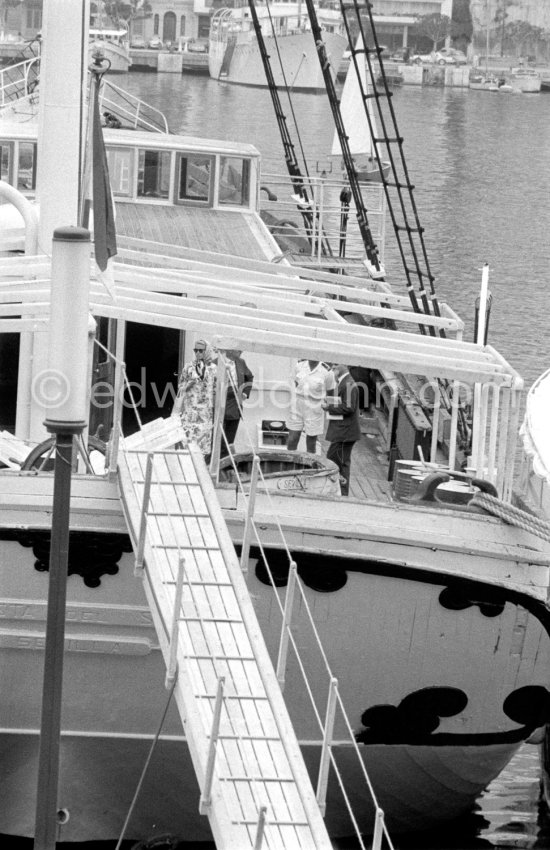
(102, 201)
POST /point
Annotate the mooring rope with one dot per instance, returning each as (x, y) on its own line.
(512, 515)
(146, 765)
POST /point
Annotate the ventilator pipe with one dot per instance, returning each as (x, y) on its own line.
(28, 212)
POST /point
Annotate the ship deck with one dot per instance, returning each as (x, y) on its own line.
(369, 466)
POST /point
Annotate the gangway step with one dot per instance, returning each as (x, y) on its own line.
(246, 759)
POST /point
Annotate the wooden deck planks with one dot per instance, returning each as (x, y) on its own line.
(222, 231)
(253, 766)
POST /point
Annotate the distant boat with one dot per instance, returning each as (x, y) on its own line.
(360, 139)
(483, 82)
(114, 45)
(525, 79)
(234, 54)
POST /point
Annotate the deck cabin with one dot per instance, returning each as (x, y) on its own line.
(194, 204)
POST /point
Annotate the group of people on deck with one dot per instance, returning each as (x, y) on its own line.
(327, 391)
(320, 392)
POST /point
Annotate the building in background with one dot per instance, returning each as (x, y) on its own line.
(395, 19)
(173, 20)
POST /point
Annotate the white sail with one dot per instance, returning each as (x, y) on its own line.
(353, 113)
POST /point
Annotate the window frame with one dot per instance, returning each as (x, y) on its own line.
(191, 201)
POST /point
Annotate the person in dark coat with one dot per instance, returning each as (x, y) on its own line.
(343, 428)
(240, 376)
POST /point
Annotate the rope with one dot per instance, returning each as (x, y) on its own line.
(145, 766)
(512, 515)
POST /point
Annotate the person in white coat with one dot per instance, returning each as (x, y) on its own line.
(312, 381)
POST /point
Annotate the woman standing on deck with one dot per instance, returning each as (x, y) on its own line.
(195, 399)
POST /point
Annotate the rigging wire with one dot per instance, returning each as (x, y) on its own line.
(371, 248)
(305, 204)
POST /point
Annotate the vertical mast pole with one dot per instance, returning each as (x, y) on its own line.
(65, 385)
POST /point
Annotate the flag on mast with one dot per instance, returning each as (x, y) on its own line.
(96, 188)
(102, 200)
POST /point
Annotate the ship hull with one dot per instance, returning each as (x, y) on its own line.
(437, 651)
(302, 70)
(118, 55)
(99, 776)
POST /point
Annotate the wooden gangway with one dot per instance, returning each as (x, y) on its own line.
(254, 786)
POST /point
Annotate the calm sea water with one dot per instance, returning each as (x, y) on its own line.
(481, 165)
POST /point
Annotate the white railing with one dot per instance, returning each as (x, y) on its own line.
(18, 81)
(323, 218)
(131, 110)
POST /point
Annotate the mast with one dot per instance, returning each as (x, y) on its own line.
(60, 364)
(63, 73)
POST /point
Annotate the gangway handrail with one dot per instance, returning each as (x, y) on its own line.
(334, 698)
(286, 634)
(172, 630)
(132, 109)
(14, 89)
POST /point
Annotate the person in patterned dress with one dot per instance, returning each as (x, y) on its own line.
(196, 396)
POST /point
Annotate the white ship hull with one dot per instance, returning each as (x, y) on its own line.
(525, 82)
(423, 618)
(302, 71)
(117, 54)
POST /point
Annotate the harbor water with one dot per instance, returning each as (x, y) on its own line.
(481, 166)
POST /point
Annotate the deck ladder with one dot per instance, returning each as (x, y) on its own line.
(254, 786)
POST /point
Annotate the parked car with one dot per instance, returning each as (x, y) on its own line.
(138, 42)
(402, 54)
(445, 56)
(452, 56)
(197, 47)
(423, 58)
(155, 43)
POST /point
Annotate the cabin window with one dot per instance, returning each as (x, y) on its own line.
(153, 174)
(26, 169)
(120, 161)
(6, 159)
(234, 185)
(195, 178)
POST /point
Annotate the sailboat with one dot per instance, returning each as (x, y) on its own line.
(360, 130)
